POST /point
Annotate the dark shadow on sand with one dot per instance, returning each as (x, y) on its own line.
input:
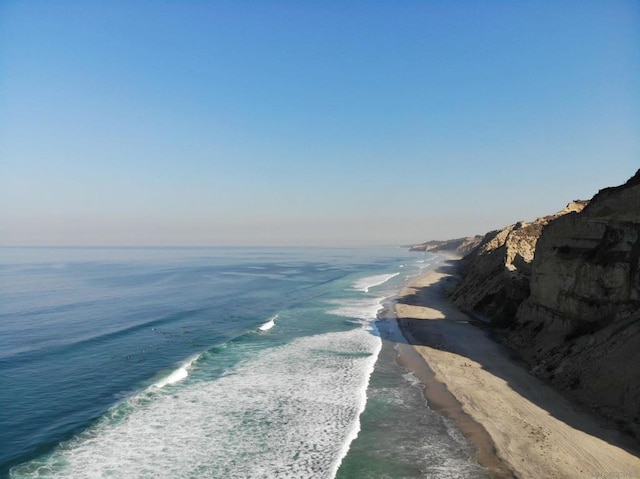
(441, 334)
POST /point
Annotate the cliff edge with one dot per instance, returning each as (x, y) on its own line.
(461, 246)
(495, 275)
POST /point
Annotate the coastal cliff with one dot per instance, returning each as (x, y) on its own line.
(495, 275)
(566, 290)
(461, 246)
(580, 326)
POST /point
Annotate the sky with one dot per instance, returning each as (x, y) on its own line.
(308, 123)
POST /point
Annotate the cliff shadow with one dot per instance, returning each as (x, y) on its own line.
(427, 318)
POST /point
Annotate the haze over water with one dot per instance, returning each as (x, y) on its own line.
(324, 123)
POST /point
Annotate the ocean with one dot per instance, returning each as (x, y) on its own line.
(213, 363)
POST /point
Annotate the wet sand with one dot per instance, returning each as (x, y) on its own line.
(519, 426)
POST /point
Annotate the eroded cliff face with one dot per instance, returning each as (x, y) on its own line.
(580, 326)
(567, 289)
(495, 275)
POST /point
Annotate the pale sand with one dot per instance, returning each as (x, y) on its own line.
(534, 429)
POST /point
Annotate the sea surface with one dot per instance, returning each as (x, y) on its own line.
(212, 363)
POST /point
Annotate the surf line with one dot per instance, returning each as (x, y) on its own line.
(366, 283)
(178, 375)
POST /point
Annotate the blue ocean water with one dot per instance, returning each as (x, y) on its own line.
(211, 362)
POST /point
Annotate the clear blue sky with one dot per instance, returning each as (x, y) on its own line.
(334, 122)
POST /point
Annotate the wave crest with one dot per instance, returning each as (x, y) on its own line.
(178, 375)
(369, 282)
(269, 324)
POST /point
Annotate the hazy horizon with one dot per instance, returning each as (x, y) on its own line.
(290, 123)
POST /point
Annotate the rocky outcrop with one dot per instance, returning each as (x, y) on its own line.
(461, 246)
(580, 326)
(495, 275)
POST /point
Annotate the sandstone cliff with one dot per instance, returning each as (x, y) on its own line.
(580, 326)
(567, 289)
(495, 275)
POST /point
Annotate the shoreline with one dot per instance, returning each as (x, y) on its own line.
(442, 402)
(519, 426)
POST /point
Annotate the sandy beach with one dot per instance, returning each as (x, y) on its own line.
(520, 426)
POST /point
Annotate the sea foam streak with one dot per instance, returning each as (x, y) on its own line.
(365, 284)
(293, 409)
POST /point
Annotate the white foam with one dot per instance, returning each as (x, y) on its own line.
(362, 402)
(364, 309)
(289, 412)
(269, 324)
(178, 375)
(412, 379)
(369, 282)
